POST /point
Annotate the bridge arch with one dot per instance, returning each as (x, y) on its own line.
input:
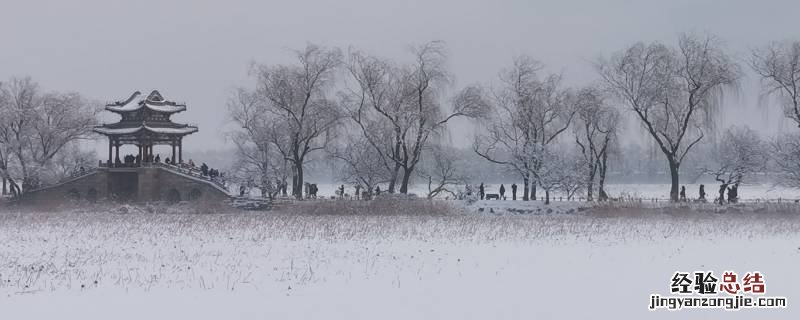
(173, 196)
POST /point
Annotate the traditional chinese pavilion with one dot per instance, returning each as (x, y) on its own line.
(145, 123)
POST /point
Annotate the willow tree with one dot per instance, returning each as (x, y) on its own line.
(778, 66)
(528, 113)
(400, 108)
(673, 91)
(294, 109)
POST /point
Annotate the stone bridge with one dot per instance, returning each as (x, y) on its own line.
(135, 184)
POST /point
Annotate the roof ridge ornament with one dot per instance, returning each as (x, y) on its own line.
(155, 96)
(126, 101)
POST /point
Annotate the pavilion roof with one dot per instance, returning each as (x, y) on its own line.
(183, 130)
(154, 101)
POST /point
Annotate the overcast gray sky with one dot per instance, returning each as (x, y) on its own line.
(196, 51)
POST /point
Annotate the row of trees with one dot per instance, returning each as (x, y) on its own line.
(380, 118)
(39, 131)
(379, 123)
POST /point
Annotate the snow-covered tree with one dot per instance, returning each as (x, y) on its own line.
(674, 92)
(778, 65)
(739, 154)
(561, 170)
(294, 109)
(527, 114)
(399, 108)
(595, 128)
(257, 161)
(35, 126)
(361, 165)
(442, 171)
(785, 152)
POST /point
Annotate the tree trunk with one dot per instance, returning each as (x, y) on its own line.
(299, 195)
(546, 196)
(295, 186)
(601, 191)
(590, 183)
(526, 183)
(393, 180)
(673, 172)
(5, 188)
(15, 191)
(404, 183)
(533, 191)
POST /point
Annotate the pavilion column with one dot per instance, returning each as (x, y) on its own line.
(116, 146)
(173, 152)
(110, 151)
(180, 151)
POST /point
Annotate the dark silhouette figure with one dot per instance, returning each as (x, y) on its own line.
(481, 191)
(502, 192)
(514, 191)
(377, 191)
(204, 169)
(241, 190)
(158, 158)
(721, 198)
(313, 190)
(167, 161)
(341, 192)
(733, 194)
(702, 193)
(683, 193)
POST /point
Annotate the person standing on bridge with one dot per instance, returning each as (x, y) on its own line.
(514, 191)
(502, 192)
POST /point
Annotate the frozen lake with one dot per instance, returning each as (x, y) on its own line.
(94, 264)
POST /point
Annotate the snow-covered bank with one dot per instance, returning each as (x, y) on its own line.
(96, 265)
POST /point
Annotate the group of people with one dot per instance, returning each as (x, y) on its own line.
(733, 193)
(365, 194)
(135, 160)
(502, 192)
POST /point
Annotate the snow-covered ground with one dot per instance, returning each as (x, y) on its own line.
(647, 191)
(100, 264)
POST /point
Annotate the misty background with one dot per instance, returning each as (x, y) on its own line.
(198, 51)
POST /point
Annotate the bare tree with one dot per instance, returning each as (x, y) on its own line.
(361, 165)
(673, 92)
(70, 161)
(560, 170)
(257, 162)
(377, 105)
(399, 108)
(442, 170)
(527, 114)
(595, 127)
(778, 65)
(785, 152)
(36, 126)
(297, 114)
(739, 154)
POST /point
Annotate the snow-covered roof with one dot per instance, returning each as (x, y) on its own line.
(154, 101)
(120, 131)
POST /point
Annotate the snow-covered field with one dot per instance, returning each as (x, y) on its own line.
(100, 263)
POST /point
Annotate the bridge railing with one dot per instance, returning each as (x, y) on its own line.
(187, 170)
